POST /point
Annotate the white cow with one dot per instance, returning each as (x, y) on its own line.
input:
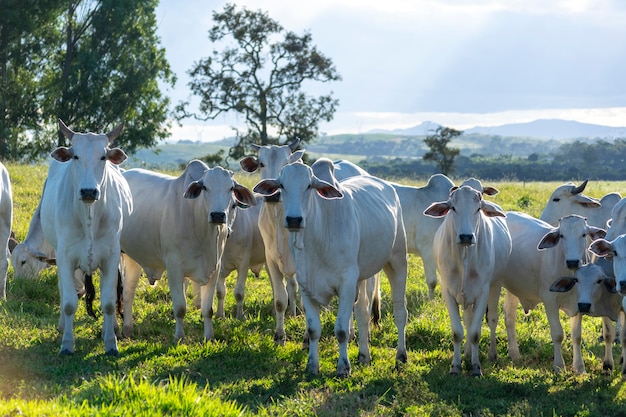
(244, 250)
(278, 260)
(569, 199)
(82, 210)
(471, 247)
(420, 229)
(616, 250)
(339, 237)
(6, 219)
(179, 224)
(541, 254)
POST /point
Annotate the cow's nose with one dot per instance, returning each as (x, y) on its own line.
(572, 264)
(218, 217)
(466, 239)
(89, 195)
(293, 222)
(584, 307)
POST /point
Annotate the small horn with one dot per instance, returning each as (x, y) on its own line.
(580, 188)
(113, 134)
(67, 132)
(294, 145)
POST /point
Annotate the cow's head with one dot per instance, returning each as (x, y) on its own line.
(298, 185)
(88, 155)
(219, 189)
(571, 238)
(567, 199)
(616, 251)
(271, 160)
(464, 208)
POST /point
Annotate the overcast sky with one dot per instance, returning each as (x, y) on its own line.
(459, 63)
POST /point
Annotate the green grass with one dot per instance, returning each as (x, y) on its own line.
(244, 373)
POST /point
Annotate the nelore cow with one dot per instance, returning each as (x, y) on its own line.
(569, 199)
(338, 237)
(471, 247)
(6, 219)
(542, 258)
(83, 207)
(179, 224)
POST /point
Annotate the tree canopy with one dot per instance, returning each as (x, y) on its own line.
(259, 73)
(440, 152)
(92, 63)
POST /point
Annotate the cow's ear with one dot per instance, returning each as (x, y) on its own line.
(243, 195)
(596, 233)
(249, 164)
(67, 132)
(267, 187)
(437, 209)
(585, 201)
(491, 210)
(549, 240)
(194, 189)
(116, 156)
(610, 285)
(296, 156)
(62, 154)
(563, 284)
(490, 191)
(325, 189)
(601, 247)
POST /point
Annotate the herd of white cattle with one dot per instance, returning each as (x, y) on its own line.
(322, 231)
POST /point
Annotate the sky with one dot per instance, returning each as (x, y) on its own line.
(459, 63)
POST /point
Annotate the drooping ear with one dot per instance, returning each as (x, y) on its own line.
(62, 154)
(550, 239)
(563, 284)
(243, 195)
(325, 189)
(610, 285)
(490, 191)
(602, 248)
(596, 233)
(267, 187)
(116, 156)
(249, 164)
(491, 210)
(194, 189)
(585, 201)
(439, 209)
(113, 134)
(67, 132)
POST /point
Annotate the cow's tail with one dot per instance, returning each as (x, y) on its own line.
(90, 295)
(120, 294)
(376, 314)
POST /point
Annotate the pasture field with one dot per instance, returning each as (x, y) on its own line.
(243, 373)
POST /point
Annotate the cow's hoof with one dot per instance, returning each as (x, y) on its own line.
(112, 352)
(476, 371)
(364, 359)
(66, 352)
(455, 370)
(279, 340)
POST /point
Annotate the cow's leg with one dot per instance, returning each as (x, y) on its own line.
(430, 269)
(492, 321)
(474, 331)
(292, 295)
(176, 282)
(362, 311)
(622, 335)
(108, 298)
(510, 320)
(280, 301)
(347, 295)
(556, 333)
(69, 304)
(578, 366)
(608, 332)
(396, 271)
(207, 294)
(132, 273)
(314, 329)
(220, 291)
(468, 317)
(457, 330)
(240, 288)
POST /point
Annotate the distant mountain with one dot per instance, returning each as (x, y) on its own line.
(539, 129)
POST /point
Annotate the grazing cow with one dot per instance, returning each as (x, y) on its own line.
(541, 254)
(82, 209)
(6, 219)
(338, 237)
(569, 199)
(471, 247)
(278, 260)
(179, 224)
(244, 250)
(420, 229)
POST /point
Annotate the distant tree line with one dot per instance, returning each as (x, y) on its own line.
(601, 160)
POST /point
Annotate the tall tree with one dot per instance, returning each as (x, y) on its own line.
(260, 74)
(440, 152)
(109, 71)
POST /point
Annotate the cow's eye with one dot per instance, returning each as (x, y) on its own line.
(453, 209)
(261, 165)
(75, 157)
(103, 158)
(556, 200)
(599, 281)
